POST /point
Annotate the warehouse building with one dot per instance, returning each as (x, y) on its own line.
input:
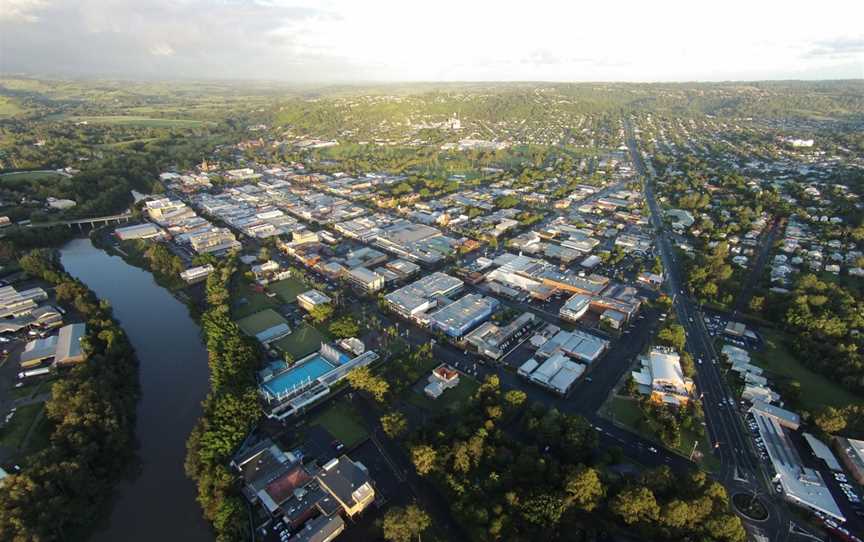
(139, 231)
(413, 300)
(459, 317)
(801, 485)
(494, 341)
(558, 373)
(62, 349)
(578, 345)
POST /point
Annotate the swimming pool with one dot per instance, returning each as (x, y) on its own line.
(296, 376)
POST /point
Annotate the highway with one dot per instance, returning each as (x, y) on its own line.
(741, 470)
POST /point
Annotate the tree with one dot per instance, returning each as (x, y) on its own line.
(424, 458)
(635, 504)
(757, 303)
(362, 379)
(321, 313)
(584, 489)
(675, 514)
(405, 524)
(344, 327)
(542, 509)
(831, 420)
(394, 424)
(515, 398)
(674, 336)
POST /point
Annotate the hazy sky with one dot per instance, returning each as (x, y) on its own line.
(435, 40)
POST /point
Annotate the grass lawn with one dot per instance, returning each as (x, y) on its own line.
(451, 399)
(781, 365)
(288, 289)
(625, 411)
(248, 301)
(33, 388)
(302, 341)
(29, 176)
(342, 423)
(134, 120)
(9, 107)
(260, 321)
(12, 434)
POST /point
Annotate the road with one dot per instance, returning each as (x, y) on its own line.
(766, 242)
(740, 470)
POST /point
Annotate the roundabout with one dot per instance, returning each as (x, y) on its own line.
(750, 506)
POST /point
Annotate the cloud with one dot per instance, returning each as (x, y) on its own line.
(349, 40)
(162, 49)
(21, 11)
(839, 47)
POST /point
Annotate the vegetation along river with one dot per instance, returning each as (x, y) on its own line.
(158, 503)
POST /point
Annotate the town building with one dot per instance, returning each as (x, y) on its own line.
(494, 341)
(367, 280)
(139, 231)
(801, 485)
(196, 274)
(459, 317)
(311, 299)
(662, 378)
(557, 373)
(851, 453)
(579, 345)
(61, 349)
(442, 378)
(413, 300)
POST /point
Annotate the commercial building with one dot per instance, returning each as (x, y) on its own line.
(139, 231)
(44, 317)
(415, 242)
(413, 300)
(575, 307)
(369, 281)
(801, 485)
(458, 318)
(851, 453)
(558, 373)
(494, 341)
(661, 377)
(786, 418)
(577, 344)
(311, 299)
(213, 241)
(62, 349)
(196, 274)
(14, 303)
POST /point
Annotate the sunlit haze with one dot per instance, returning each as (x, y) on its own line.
(342, 40)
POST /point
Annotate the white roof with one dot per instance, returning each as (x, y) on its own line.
(666, 366)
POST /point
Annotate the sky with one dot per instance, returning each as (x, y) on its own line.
(335, 41)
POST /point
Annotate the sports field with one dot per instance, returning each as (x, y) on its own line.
(303, 341)
(133, 120)
(288, 289)
(256, 323)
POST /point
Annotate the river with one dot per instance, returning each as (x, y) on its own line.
(159, 503)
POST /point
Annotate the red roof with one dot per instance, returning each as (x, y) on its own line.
(283, 487)
(445, 373)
